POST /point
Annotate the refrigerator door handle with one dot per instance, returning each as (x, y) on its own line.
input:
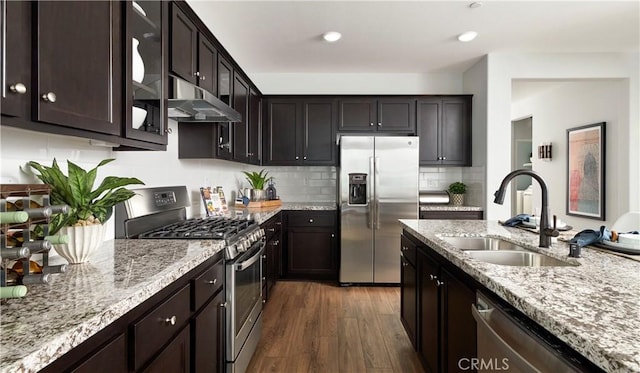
(371, 195)
(376, 182)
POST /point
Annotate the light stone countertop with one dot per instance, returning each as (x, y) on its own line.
(449, 208)
(593, 307)
(53, 319)
(261, 215)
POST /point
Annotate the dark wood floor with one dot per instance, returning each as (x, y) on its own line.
(324, 328)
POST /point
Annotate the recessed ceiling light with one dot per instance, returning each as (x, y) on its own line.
(467, 36)
(331, 36)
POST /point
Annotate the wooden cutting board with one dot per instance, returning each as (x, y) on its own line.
(263, 204)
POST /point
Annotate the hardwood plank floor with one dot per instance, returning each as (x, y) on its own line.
(324, 328)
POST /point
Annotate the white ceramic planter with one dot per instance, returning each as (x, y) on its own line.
(137, 65)
(83, 241)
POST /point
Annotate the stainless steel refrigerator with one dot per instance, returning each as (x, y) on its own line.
(378, 185)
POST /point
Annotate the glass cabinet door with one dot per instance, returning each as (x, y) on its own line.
(146, 119)
(225, 92)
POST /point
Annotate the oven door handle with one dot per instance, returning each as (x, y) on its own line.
(239, 267)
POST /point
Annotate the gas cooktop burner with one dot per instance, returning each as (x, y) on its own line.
(216, 228)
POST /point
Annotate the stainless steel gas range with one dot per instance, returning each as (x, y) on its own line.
(160, 213)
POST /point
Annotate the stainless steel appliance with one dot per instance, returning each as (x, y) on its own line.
(378, 186)
(159, 213)
(190, 103)
(509, 342)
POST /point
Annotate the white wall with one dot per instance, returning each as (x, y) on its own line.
(573, 104)
(371, 84)
(503, 68)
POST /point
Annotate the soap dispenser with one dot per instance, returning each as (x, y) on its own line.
(271, 191)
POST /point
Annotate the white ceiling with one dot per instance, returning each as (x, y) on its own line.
(411, 36)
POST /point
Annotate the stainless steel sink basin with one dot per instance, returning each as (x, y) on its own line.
(481, 243)
(498, 251)
(516, 258)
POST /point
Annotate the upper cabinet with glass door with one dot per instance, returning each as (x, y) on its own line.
(147, 71)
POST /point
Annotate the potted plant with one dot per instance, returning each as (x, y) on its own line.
(457, 191)
(257, 181)
(89, 208)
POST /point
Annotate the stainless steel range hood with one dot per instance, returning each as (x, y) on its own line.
(190, 103)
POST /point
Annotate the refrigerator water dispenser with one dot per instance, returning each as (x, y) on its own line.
(357, 189)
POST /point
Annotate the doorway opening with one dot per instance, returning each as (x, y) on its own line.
(521, 158)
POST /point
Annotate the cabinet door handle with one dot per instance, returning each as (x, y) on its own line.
(297, 158)
(432, 277)
(271, 229)
(305, 158)
(202, 77)
(332, 235)
(197, 73)
(211, 282)
(311, 221)
(278, 223)
(170, 320)
(379, 124)
(276, 243)
(168, 131)
(404, 264)
(404, 248)
(18, 88)
(264, 256)
(49, 97)
(223, 305)
(439, 283)
(371, 124)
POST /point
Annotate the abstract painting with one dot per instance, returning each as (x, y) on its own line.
(585, 171)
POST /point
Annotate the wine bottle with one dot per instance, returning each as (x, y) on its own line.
(14, 253)
(17, 291)
(41, 278)
(10, 217)
(38, 246)
(60, 209)
(58, 239)
(39, 212)
(60, 268)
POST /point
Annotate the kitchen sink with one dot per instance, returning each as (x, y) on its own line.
(516, 258)
(498, 251)
(481, 243)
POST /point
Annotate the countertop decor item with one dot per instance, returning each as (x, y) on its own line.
(457, 191)
(89, 209)
(257, 181)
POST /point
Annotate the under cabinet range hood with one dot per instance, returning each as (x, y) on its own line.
(190, 103)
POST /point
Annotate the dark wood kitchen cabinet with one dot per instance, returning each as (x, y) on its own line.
(240, 130)
(451, 215)
(224, 148)
(444, 128)
(16, 61)
(272, 264)
(409, 289)
(193, 56)
(377, 114)
(300, 131)
(446, 329)
(179, 329)
(78, 65)
(255, 120)
(312, 249)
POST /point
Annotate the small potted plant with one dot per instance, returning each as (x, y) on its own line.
(89, 209)
(257, 181)
(457, 191)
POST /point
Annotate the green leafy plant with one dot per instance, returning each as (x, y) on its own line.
(257, 180)
(87, 206)
(457, 188)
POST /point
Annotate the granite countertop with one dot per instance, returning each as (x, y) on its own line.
(52, 319)
(593, 306)
(449, 208)
(261, 215)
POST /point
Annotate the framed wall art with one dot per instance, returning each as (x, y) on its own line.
(585, 171)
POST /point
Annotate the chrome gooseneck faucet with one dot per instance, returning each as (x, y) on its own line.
(546, 231)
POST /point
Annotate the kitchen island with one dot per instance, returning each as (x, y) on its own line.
(593, 306)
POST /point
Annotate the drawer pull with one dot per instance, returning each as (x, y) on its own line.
(404, 248)
(264, 256)
(439, 283)
(223, 305)
(18, 88)
(432, 277)
(170, 320)
(264, 279)
(310, 220)
(49, 97)
(271, 229)
(276, 243)
(211, 282)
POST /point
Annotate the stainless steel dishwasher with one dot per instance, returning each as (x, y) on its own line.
(509, 342)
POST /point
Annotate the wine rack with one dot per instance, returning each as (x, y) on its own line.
(29, 230)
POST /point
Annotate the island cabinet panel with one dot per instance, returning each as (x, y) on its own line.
(312, 249)
(452, 215)
(175, 358)
(207, 329)
(78, 65)
(445, 330)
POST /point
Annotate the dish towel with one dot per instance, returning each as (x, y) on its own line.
(516, 220)
(589, 236)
